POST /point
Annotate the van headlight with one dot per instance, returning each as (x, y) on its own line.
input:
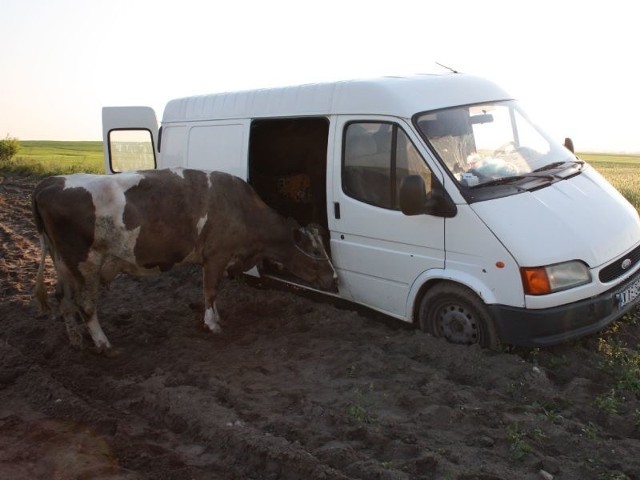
(554, 278)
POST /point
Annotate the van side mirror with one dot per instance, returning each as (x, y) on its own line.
(568, 144)
(414, 199)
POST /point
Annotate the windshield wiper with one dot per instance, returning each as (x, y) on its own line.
(553, 165)
(513, 179)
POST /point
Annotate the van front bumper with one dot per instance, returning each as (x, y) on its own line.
(550, 326)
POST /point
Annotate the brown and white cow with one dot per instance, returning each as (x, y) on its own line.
(96, 226)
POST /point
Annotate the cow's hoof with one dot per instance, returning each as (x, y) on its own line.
(113, 352)
(215, 328)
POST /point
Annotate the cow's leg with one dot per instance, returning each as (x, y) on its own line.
(88, 302)
(212, 318)
(99, 338)
(66, 292)
(69, 311)
(63, 275)
(213, 271)
(59, 291)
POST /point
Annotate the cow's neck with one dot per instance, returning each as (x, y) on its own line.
(279, 233)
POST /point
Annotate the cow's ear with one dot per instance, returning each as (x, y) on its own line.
(317, 230)
(298, 235)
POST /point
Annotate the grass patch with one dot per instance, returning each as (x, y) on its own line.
(518, 445)
(609, 402)
(621, 362)
(359, 413)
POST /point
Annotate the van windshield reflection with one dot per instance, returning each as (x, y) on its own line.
(495, 144)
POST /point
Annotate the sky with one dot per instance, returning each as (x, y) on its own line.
(574, 66)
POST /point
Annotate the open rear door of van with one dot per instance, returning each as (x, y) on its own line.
(130, 138)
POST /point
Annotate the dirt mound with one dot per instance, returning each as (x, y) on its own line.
(295, 388)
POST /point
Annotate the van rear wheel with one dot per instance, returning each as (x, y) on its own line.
(454, 312)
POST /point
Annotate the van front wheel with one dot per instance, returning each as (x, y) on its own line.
(455, 313)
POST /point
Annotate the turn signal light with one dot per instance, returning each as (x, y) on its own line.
(554, 278)
(535, 281)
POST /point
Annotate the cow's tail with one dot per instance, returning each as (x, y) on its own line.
(40, 291)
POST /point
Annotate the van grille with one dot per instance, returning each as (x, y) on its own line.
(614, 270)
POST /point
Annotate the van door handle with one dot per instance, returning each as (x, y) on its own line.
(336, 210)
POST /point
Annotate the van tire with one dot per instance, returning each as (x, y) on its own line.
(455, 313)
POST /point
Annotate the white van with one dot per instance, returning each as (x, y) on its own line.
(443, 204)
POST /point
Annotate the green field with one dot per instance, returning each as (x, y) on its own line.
(52, 158)
(43, 157)
(622, 171)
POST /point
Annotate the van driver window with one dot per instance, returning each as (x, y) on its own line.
(377, 156)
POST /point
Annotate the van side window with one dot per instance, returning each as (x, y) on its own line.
(377, 156)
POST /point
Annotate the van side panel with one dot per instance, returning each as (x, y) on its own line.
(173, 146)
(218, 146)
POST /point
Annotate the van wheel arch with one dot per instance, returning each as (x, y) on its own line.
(455, 312)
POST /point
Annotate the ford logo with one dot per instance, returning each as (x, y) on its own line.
(626, 263)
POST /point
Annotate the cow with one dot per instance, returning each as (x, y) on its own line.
(97, 226)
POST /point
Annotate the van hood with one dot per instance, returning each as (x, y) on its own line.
(582, 218)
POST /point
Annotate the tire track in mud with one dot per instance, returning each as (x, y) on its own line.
(18, 264)
(214, 433)
(19, 249)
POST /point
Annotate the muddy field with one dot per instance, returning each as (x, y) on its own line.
(295, 388)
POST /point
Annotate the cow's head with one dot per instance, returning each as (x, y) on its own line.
(309, 259)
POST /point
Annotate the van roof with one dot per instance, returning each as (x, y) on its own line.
(397, 96)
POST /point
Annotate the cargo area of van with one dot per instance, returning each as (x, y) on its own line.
(287, 166)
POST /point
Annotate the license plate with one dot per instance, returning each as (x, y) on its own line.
(629, 294)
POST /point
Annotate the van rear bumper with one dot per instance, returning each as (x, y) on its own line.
(550, 326)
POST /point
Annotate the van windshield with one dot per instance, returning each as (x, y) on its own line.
(494, 145)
